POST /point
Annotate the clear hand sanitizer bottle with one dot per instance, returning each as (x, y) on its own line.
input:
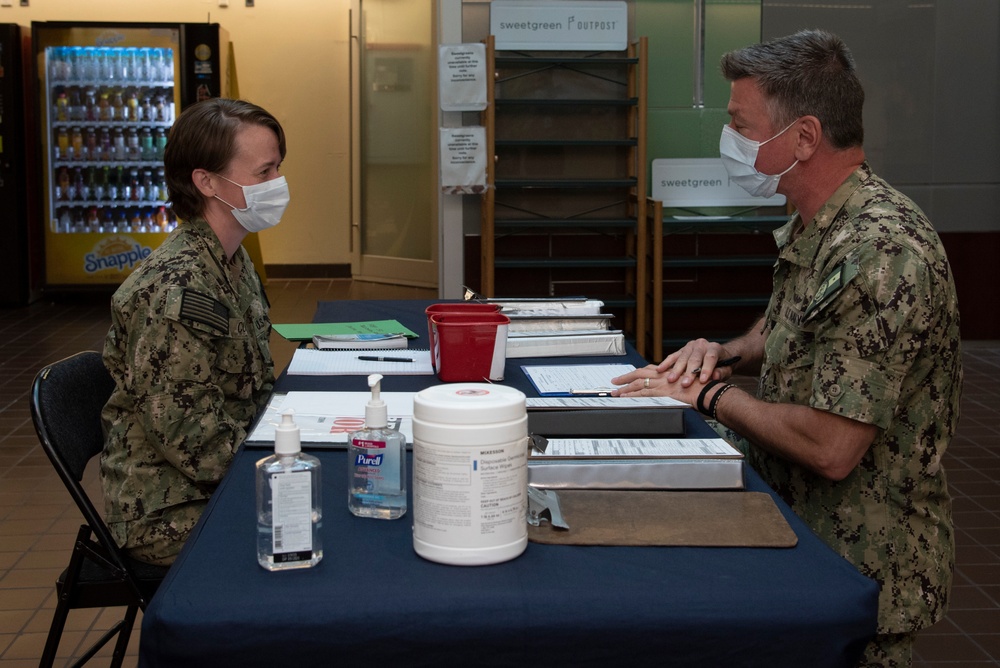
(376, 485)
(289, 509)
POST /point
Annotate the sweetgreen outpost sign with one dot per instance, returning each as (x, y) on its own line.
(559, 25)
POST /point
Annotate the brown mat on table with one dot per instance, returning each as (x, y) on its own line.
(694, 519)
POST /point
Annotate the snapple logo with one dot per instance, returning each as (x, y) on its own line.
(368, 460)
(117, 252)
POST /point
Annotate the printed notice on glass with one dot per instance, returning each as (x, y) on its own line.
(462, 77)
(463, 160)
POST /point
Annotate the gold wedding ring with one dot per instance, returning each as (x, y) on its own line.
(645, 383)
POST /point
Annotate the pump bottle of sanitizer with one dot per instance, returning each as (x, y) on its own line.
(376, 485)
(289, 508)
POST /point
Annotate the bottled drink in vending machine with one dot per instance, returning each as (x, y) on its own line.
(159, 143)
(76, 185)
(100, 182)
(146, 110)
(53, 60)
(87, 189)
(146, 144)
(62, 144)
(62, 106)
(73, 63)
(142, 64)
(65, 221)
(132, 149)
(76, 144)
(132, 105)
(146, 183)
(104, 149)
(105, 112)
(88, 64)
(168, 65)
(91, 151)
(108, 219)
(117, 65)
(162, 221)
(124, 185)
(76, 110)
(135, 185)
(159, 108)
(117, 144)
(161, 185)
(123, 222)
(126, 64)
(113, 180)
(90, 104)
(62, 184)
(118, 107)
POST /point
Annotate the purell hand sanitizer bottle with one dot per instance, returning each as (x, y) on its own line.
(289, 512)
(376, 485)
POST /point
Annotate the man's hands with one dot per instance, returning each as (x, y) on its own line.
(675, 376)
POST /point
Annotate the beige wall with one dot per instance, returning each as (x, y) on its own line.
(292, 59)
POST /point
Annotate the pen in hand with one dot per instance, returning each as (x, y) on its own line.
(729, 361)
(369, 358)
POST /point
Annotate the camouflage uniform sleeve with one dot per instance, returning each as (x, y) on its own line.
(869, 329)
(176, 374)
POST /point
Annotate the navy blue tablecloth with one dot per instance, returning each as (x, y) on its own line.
(373, 602)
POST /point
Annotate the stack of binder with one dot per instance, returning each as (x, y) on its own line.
(559, 328)
(575, 446)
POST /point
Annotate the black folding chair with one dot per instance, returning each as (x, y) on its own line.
(66, 402)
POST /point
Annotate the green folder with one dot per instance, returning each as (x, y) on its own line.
(305, 332)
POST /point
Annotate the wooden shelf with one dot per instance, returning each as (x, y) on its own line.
(568, 133)
(671, 302)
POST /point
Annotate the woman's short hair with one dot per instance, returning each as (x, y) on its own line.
(204, 137)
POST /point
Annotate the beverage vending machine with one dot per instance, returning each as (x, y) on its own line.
(107, 94)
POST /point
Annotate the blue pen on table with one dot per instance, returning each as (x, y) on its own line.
(369, 358)
(729, 361)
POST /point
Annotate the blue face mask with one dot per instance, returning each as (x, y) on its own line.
(739, 155)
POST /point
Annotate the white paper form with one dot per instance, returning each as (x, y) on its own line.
(312, 362)
(639, 447)
(328, 417)
(562, 379)
(572, 403)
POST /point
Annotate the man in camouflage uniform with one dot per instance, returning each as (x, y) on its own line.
(188, 344)
(858, 353)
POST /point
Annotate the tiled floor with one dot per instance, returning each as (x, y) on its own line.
(38, 521)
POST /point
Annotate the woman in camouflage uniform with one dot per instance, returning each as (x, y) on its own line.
(188, 344)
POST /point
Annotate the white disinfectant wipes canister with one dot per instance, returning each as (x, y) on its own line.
(470, 473)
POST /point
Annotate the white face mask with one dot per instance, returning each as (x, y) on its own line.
(739, 155)
(266, 202)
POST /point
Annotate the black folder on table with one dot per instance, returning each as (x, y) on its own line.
(614, 422)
